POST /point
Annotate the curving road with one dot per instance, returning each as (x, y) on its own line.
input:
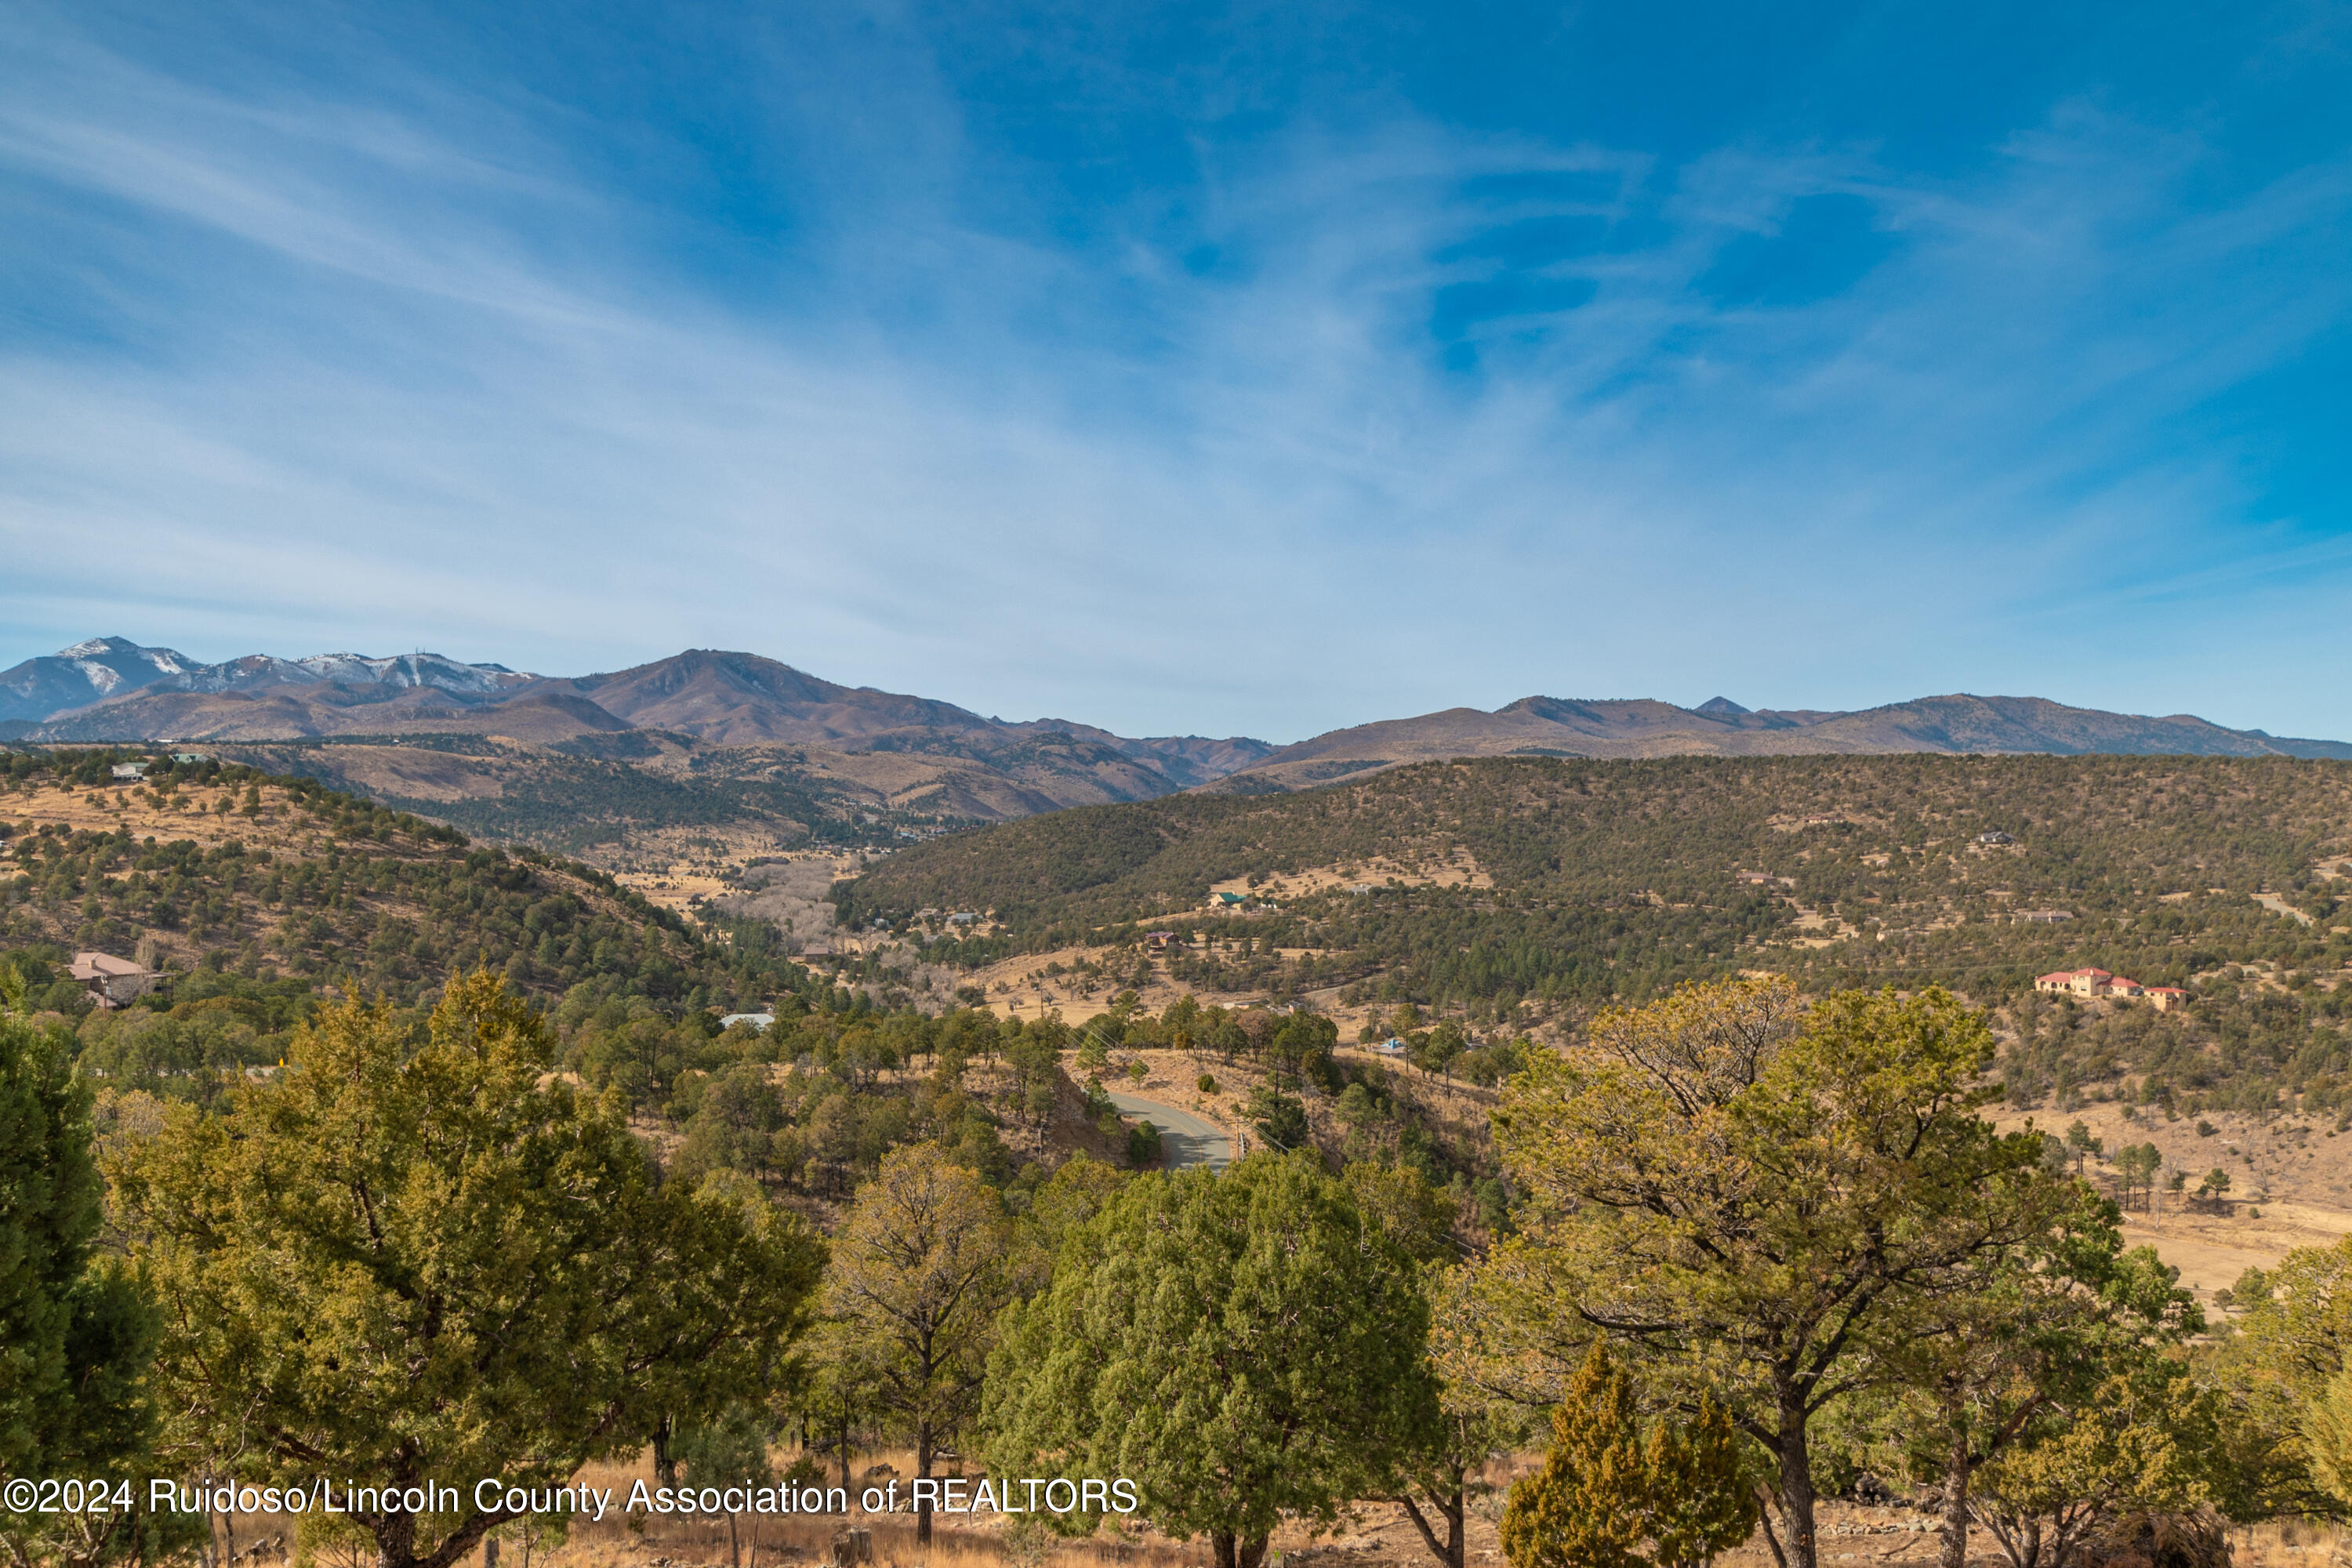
(1189, 1141)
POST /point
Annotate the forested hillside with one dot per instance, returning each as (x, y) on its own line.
(261, 898)
(1535, 890)
(283, 873)
(584, 796)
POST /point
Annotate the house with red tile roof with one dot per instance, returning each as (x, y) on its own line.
(2099, 982)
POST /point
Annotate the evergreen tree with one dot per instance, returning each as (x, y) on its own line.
(920, 1270)
(1757, 1202)
(1585, 1507)
(76, 1334)
(409, 1259)
(1603, 1491)
(1242, 1346)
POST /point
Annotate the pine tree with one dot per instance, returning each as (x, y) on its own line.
(1764, 1204)
(919, 1270)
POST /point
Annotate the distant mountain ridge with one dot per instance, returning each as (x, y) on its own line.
(110, 689)
(404, 671)
(971, 765)
(1958, 723)
(104, 668)
(86, 672)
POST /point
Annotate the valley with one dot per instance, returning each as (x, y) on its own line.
(1358, 969)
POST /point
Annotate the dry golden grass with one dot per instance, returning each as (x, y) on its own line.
(1368, 1534)
(181, 814)
(1452, 867)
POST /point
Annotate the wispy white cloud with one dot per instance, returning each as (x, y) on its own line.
(427, 379)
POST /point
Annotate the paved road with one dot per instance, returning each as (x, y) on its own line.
(1191, 1140)
(2273, 902)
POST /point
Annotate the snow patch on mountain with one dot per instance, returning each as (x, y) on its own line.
(102, 668)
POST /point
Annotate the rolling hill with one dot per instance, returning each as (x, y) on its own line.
(217, 865)
(1957, 725)
(1583, 881)
(1523, 894)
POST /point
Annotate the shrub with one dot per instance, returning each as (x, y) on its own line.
(1603, 1491)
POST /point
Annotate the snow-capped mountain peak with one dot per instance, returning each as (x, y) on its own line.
(102, 667)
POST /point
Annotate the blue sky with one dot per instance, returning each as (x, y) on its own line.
(1208, 368)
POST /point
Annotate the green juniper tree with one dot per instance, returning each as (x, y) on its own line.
(1605, 1492)
(76, 1333)
(1242, 1346)
(413, 1259)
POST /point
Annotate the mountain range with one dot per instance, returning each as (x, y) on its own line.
(913, 750)
(1958, 723)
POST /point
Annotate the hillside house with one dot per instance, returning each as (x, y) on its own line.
(1227, 901)
(759, 1021)
(2043, 917)
(114, 981)
(1995, 837)
(1160, 940)
(128, 773)
(2074, 982)
(2099, 982)
(962, 917)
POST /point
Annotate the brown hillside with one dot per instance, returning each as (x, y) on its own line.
(1549, 726)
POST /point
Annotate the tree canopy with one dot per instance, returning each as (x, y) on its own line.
(1242, 1346)
(920, 1267)
(412, 1259)
(1753, 1200)
(75, 1334)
